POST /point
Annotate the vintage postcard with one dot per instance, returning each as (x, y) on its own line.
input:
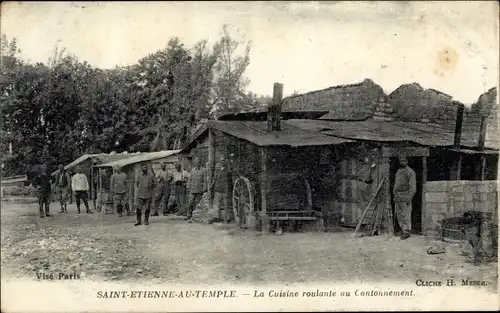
(249, 156)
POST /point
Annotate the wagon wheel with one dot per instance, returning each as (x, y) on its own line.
(243, 202)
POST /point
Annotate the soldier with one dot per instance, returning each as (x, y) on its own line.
(219, 190)
(162, 190)
(42, 182)
(146, 183)
(180, 178)
(404, 190)
(197, 185)
(119, 189)
(80, 185)
(63, 186)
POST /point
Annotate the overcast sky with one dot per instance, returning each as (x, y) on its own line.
(449, 46)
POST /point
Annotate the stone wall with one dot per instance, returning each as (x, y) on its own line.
(356, 101)
(445, 199)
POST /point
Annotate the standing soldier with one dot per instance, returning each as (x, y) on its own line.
(404, 190)
(42, 183)
(146, 184)
(162, 190)
(219, 190)
(63, 185)
(80, 186)
(180, 178)
(197, 185)
(119, 189)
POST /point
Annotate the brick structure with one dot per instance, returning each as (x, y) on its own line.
(384, 111)
(446, 199)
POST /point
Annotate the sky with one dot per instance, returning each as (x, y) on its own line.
(449, 46)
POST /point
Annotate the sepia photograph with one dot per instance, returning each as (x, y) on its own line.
(248, 156)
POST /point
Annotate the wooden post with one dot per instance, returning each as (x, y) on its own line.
(482, 167)
(456, 171)
(211, 167)
(263, 189)
(482, 134)
(387, 218)
(228, 188)
(480, 146)
(458, 125)
(103, 209)
(424, 180)
(92, 187)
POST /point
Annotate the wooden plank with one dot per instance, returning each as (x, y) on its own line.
(392, 152)
(101, 191)
(458, 124)
(292, 212)
(456, 171)
(369, 206)
(211, 167)
(263, 189)
(480, 145)
(424, 180)
(482, 134)
(290, 218)
(227, 187)
(482, 167)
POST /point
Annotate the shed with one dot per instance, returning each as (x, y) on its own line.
(334, 155)
(324, 163)
(131, 167)
(87, 163)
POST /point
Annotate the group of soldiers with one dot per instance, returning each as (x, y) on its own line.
(64, 185)
(153, 190)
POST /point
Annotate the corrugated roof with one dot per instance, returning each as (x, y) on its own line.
(141, 158)
(306, 132)
(100, 158)
(290, 135)
(421, 133)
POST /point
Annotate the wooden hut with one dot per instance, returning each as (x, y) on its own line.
(87, 164)
(331, 166)
(132, 168)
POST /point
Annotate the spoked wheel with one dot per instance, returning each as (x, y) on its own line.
(243, 203)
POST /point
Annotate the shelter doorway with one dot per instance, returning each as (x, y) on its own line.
(415, 163)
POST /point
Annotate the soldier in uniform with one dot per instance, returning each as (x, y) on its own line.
(163, 187)
(197, 185)
(119, 189)
(146, 183)
(219, 190)
(42, 183)
(80, 185)
(404, 191)
(63, 188)
(180, 178)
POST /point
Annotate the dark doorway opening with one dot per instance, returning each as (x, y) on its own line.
(415, 163)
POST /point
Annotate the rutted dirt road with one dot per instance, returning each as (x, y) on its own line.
(109, 248)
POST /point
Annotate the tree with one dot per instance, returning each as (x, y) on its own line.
(55, 112)
(230, 82)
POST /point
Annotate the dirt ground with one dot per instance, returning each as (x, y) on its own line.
(109, 248)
